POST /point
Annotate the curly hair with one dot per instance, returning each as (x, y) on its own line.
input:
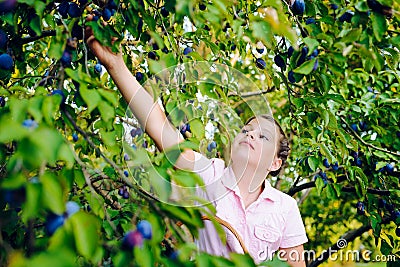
(283, 149)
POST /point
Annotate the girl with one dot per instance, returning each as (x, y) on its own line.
(267, 219)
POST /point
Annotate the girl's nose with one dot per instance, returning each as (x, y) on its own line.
(250, 134)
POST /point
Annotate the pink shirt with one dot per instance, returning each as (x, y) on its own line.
(273, 221)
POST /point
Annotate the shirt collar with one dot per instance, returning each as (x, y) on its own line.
(269, 192)
(228, 179)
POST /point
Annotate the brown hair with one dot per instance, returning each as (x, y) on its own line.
(283, 149)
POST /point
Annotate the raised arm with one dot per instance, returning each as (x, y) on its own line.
(148, 113)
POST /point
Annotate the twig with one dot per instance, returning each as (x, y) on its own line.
(368, 144)
(89, 183)
(249, 94)
(30, 239)
(114, 204)
(295, 189)
(28, 40)
(85, 52)
(129, 183)
(369, 190)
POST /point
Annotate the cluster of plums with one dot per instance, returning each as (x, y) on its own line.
(55, 221)
(135, 238)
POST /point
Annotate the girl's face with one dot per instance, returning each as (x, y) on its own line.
(256, 145)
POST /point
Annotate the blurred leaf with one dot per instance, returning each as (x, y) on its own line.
(33, 201)
(86, 229)
(62, 258)
(143, 256)
(66, 155)
(48, 141)
(159, 181)
(52, 197)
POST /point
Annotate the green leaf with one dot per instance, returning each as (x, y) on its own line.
(155, 66)
(86, 229)
(33, 203)
(331, 192)
(306, 67)
(159, 181)
(276, 262)
(52, 196)
(298, 102)
(11, 130)
(79, 178)
(64, 257)
(386, 248)
(110, 96)
(325, 116)
(34, 108)
(143, 256)
(243, 260)
(48, 142)
(313, 163)
(171, 156)
(96, 204)
(65, 154)
(186, 178)
(107, 111)
(319, 184)
(327, 153)
(312, 117)
(379, 25)
(311, 43)
(262, 31)
(197, 128)
(380, 165)
(183, 214)
(108, 138)
(91, 97)
(352, 36)
(48, 109)
(36, 24)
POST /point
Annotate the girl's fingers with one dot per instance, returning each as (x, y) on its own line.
(88, 33)
(113, 39)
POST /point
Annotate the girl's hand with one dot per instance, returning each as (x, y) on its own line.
(107, 58)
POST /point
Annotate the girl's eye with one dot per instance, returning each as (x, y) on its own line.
(244, 131)
(264, 137)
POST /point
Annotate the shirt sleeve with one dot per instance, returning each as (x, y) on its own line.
(208, 169)
(294, 233)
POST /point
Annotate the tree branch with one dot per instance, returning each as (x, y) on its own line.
(27, 40)
(347, 237)
(295, 189)
(250, 94)
(368, 144)
(369, 190)
(129, 183)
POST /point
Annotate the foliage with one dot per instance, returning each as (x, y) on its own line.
(65, 131)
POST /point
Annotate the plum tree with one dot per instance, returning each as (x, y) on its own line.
(329, 70)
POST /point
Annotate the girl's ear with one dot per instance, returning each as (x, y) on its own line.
(276, 164)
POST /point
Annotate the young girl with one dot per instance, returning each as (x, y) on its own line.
(267, 219)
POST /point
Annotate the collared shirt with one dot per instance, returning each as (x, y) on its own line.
(273, 221)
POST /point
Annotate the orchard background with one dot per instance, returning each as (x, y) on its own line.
(75, 174)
